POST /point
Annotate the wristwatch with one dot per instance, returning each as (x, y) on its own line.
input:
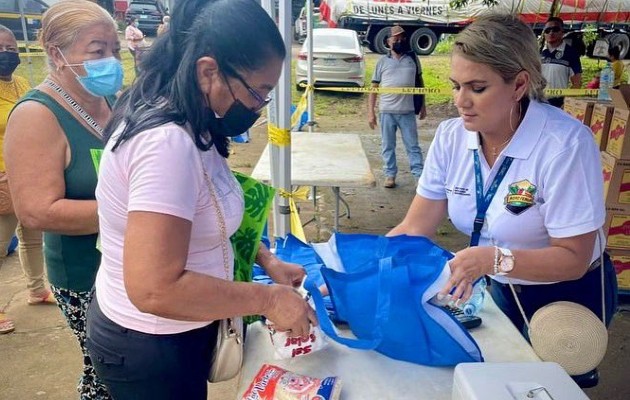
(504, 262)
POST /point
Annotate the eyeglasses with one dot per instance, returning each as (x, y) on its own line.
(262, 102)
(554, 29)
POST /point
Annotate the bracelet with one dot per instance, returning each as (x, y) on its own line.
(496, 260)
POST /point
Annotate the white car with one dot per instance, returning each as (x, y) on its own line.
(337, 59)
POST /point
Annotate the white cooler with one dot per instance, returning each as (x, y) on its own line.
(514, 381)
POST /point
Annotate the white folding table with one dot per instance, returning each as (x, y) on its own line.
(332, 160)
(371, 375)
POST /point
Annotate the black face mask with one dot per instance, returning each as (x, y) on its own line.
(237, 120)
(8, 62)
(398, 47)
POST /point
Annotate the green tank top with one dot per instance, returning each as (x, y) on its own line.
(72, 261)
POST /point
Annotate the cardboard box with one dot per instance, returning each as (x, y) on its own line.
(616, 180)
(582, 109)
(600, 123)
(619, 136)
(617, 227)
(621, 261)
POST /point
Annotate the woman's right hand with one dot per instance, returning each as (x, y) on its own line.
(290, 312)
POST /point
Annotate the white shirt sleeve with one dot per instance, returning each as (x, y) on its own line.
(573, 190)
(164, 173)
(432, 183)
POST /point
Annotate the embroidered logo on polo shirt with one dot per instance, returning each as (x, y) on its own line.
(520, 196)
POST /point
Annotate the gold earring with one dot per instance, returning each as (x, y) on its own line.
(520, 114)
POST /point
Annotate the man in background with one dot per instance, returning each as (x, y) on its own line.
(561, 65)
(399, 68)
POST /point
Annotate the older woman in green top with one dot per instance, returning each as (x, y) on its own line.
(51, 138)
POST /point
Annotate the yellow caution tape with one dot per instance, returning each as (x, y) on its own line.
(33, 54)
(446, 91)
(300, 193)
(301, 106)
(279, 137)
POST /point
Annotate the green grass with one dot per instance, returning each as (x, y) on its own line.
(35, 70)
(435, 73)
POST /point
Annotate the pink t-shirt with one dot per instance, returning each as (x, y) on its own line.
(159, 170)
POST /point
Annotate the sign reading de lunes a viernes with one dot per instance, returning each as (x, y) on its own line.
(440, 11)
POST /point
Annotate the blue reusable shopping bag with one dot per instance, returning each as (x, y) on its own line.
(381, 286)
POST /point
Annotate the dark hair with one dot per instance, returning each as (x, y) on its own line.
(238, 34)
(556, 19)
(613, 51)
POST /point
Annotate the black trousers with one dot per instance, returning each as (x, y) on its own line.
(586, 291)
(136, 365)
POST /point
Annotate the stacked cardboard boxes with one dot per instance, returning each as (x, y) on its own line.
(616, 170)
(593, 113)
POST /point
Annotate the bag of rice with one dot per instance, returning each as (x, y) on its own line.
(275, 383)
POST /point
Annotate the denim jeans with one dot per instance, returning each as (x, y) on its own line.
(408, 130)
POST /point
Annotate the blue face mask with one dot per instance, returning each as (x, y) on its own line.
(104, 76)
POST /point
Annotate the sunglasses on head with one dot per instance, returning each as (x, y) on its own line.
(554, 29)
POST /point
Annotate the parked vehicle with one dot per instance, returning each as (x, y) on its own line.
(149, 14)
(11, 18)
(299, 28)
(424, 22)
(337, 59)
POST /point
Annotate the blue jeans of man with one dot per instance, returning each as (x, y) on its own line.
(409, 133)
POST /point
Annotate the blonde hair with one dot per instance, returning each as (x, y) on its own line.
(63, 22)
(507, 45)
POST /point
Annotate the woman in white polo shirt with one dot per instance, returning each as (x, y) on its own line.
(542, 227)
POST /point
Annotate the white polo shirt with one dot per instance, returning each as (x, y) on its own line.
(553, 188)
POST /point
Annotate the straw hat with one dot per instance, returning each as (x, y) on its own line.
(396, 30)
(569, 334)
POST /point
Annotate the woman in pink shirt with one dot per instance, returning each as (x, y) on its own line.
(135, 41)
(168, 203)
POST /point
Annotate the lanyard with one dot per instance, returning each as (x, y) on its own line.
(483, 202)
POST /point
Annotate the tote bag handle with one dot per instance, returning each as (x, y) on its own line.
(383, 302)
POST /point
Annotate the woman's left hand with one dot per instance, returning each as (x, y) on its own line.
(285, 273)
(468, 265)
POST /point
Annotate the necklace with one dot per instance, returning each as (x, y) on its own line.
(497, 149)
(76, 107)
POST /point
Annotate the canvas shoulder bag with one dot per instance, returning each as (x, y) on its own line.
(227, 358)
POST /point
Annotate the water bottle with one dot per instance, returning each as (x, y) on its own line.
(606, 78)
(475, 303)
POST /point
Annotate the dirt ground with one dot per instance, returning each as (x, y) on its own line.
(40, 360)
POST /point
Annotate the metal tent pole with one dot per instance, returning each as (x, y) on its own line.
(279, 116)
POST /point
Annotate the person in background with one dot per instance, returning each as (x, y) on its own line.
(163, 27)
(561, 66)
(135, 42)
(12, 87)
(52, 138)
(399, 68)
(168, 203)
(536, 169)
(616, 64)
